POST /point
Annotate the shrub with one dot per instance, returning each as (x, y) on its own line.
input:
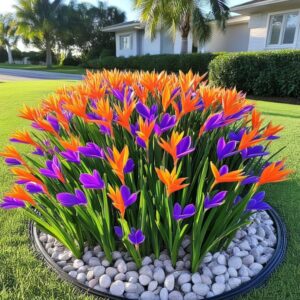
(270, 73)
(3, 55)
(72, 61)
(196, 62)
(143, 159)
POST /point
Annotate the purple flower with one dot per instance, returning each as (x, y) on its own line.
(167, 122)
(92, 181)
(237, 136)
(146, 112)
(252, 152)
(119, 232)
(68, 199)
(127, 197)
(53, 122)
(71, 156)
(250, 180)
(225, 150)
(11, 203)
(184, 147)
(214, 121)
(246, 109)
(134, 128)
(187, 212)
(38, 151)
(53, 169)
(34, 188)
(257, 203)
(104, 130)
(92, 150)
(129, 166)
(217, 200)
(136, 237)
(140, 142)
(12, 162)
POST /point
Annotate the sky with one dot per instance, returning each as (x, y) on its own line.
(125, 5)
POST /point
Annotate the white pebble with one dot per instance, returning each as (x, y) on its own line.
(184, 278)
(201, 289)
(78, 263)
(94, 261)
(104, 281)
(144, 280)
(81, 277)
(152, 286)
(218, 288)
(219, 269)
(169, 282)
(234, 282)
(148, 296)
(98, 271)
(146, 261)
(196, 278)
(117, 288)
(175, 295)
(186, 287)
(235, 262)
(159, 275)
(190, 296)
(164, 295)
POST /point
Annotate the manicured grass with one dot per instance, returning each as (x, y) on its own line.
(23, 276)
(55, 68)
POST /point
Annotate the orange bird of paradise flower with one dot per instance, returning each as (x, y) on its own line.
(256, 119)
(19, 193)
(124, 114)
(171, 180)
(118, 160)
(167, 97)
(72, 144)
(145, 130)
(11, 152)
(249, 139)
(274, 172)
(46, 126)
(25, 175)
(118, 202)
(23, 137)
(272, 130)
(29, 113)
(170, 146)
(223, 175)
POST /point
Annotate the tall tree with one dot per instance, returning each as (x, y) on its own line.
(82, 24)
(183, 15)
(38, 23)
(8, 37)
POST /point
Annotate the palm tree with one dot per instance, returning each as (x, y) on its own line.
(185, 15)
(38, 23)
(8, 37)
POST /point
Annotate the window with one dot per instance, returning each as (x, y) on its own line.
(282, 29)
(125, 42)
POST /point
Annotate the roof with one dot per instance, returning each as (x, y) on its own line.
(261, 6)
(137, 25)
(123, 26)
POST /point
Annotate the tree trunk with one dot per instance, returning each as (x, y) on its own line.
(184, 44)
(9, 54)
(184, 29)
(48, 55)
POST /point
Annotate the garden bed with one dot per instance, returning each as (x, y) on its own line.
(254, 254)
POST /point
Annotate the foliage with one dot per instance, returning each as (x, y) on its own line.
(164, 154)
(269, 73)
(3, 55)
(185, 16)
(82, 28)
(197, 62)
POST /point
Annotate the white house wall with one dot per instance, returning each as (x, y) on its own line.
(234, 38)
(177, 43)
(258, 25)
(151, 46)
(134, 46)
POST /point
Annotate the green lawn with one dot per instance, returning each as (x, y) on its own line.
(55, 68)
(22, 276)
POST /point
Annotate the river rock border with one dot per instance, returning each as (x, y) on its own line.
(247, 263)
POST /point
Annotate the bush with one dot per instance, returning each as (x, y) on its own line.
(270, 73)
(196, 62)
(72, 61)
(3, 55)
(139, 161)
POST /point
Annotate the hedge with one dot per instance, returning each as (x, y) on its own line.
(198, 62)
(267, 73)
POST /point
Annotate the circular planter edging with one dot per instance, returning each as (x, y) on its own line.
(246, 287)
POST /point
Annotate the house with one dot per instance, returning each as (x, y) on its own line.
(259, 25)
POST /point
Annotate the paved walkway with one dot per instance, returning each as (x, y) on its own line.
(17, 75)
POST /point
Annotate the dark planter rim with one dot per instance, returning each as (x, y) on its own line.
(257, 281)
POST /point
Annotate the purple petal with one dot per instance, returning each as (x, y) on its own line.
(53, 122)
(12, 162)
(129, 166)
(183, 147)
(140, 142)
(224, 170)
(118, 232)
(67, 199)
(80, 196)
(71, 156)
(34, 188)
(92, 150)
(189, 211)
(11, 203)
(250, 180)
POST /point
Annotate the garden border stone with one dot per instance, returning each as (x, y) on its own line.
(257, 281)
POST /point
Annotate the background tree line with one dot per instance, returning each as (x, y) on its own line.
(59, 29)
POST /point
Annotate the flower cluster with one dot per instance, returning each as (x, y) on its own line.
(143, 159)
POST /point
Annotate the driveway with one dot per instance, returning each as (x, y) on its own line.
(17, 75)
